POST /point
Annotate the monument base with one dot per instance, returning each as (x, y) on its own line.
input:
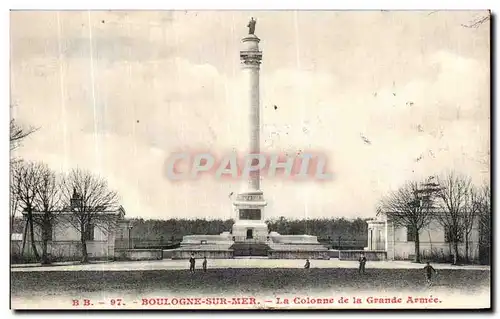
(250, 232)
(272, 245)
(250, 226)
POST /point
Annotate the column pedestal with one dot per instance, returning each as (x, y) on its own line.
(250, 225)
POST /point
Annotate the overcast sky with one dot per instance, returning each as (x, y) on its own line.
(116, 93)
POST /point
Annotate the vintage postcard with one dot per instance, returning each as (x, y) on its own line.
(250, 160)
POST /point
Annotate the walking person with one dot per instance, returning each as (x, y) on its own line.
(204, 264)
(192, 262)
(362, 264)
(429, 270)
(307, 265)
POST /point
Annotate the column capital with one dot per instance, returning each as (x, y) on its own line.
(251, 59)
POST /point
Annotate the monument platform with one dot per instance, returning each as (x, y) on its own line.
(246, 249)
(273, 246)
(210, 246)
(296, 247)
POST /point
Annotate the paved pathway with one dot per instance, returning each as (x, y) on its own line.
(167, 264)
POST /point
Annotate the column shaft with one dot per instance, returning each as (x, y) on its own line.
(254, 121)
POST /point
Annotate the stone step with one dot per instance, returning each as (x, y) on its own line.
(249, 249)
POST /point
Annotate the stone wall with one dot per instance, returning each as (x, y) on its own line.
(373, 255)
(64, 250)
(433, 251)
(139, 254)
(167, 253)
(185, 253)
(334, 253)
(298, 255)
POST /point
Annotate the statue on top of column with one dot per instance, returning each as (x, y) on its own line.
(251, 26)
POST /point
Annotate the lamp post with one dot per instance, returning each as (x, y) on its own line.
(129, 236)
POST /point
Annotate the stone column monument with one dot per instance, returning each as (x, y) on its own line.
(249, 205)
(250, 236)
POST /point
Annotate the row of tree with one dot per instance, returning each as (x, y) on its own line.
(324, 228)
(452, 200)
(174, 229)
(45, 198)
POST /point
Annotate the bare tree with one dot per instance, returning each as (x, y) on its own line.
(47, 203)
(14, 199)
(484, 220)
(406, 207)
(91, 201)
(14, 209)
(477, 22)
(18, 133)
(25, 181)
(453, 197)
(470, 215)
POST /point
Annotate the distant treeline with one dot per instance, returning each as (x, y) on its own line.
(326, 229)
